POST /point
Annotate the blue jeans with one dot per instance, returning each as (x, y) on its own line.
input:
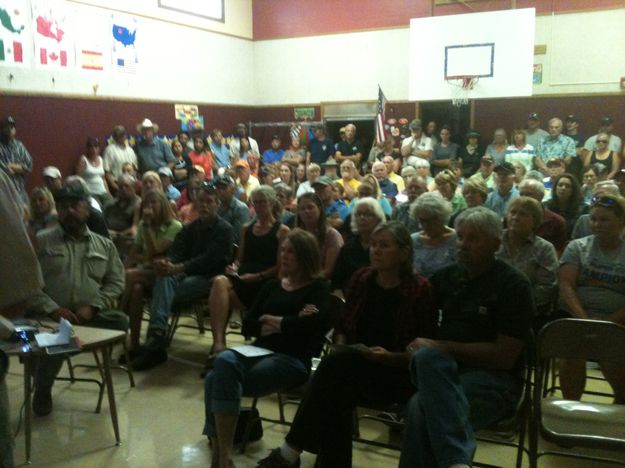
(234, 376)
(170, 292)
(449, 405)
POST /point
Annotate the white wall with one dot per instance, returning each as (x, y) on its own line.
(176, 63)
(585, 54)
(337, 67)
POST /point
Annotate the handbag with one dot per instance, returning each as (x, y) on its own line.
(249, 421)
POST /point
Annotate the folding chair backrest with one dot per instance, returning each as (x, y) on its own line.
(591, 340)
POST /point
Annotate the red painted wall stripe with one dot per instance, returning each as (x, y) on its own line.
(275, 19)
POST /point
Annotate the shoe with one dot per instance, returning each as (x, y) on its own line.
(42, 401)
(149, 359)
(275, 460)
(132, 354)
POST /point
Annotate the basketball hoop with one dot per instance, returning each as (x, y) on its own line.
(460, 88)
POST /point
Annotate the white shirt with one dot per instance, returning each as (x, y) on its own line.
(116, 156)
(235, 147)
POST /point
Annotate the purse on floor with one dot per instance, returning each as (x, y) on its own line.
(249, 420)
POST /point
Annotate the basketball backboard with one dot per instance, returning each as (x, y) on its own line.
(495, 47)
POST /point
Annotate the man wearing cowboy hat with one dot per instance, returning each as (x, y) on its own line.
(152, 153)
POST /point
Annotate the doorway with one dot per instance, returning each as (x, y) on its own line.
(444, 112)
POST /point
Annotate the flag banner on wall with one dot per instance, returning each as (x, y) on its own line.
(123, 30)
(380, 132)
(15, 34)
(90, 32)
(54, 47)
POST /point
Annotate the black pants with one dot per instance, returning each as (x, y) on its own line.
(323, 422)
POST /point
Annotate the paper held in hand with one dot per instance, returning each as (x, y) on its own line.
(56, 339)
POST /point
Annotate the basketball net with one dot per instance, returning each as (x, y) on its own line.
(460, 88)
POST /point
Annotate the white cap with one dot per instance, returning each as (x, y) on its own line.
(52, 172)
(166, 171)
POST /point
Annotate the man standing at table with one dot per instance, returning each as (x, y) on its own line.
(20, 278)
(84, 278)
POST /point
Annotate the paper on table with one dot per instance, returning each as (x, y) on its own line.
(251, 351)
(55, 339)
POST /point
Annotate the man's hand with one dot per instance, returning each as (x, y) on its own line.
(15, 168)
(67, 314)
(308, 309)
(85, 314)
(378, 354)
(165, 268)
(270, 324)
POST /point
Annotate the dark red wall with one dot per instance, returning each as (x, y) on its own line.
(55, 129)
(274, 19)
(509, 113)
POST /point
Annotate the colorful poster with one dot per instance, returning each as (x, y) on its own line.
(54, 47)
(15, 35)
(537, 77)
(90, 32)
(124, 36)
(186, 111)
(194, 123)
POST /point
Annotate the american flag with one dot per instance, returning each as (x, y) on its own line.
(380, 133)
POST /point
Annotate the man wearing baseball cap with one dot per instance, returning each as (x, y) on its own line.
(83, 279)
(231, 209)
(274, 154)
(534, 134)
(504, 192)
(166, 176)
(15, 159)
(571, 127)
(335, 208)
(52, 178)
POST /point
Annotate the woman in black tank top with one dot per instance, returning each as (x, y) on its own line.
(604, 156)
(256, 262)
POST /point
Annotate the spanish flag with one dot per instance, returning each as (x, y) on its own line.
(92, 60)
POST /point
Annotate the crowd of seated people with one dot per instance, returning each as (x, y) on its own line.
(199, 218)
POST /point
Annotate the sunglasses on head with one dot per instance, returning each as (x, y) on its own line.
(606, 202)
(208, 186)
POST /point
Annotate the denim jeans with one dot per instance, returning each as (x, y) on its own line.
(234, 376)
(451, 403)
(171, 292)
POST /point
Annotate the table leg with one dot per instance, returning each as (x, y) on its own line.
(28, 363)
(106, 357)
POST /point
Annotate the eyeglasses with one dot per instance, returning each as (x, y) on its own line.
(365, 214)
(602, 141)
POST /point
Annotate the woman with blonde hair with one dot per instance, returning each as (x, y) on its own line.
(42, 210)
(520, 151)
(447, 183)
(157, 229)
(151, 181)
(256, 263)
